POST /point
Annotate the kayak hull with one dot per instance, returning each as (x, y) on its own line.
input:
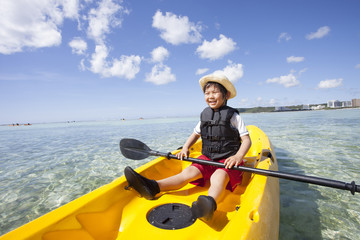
(114, 211)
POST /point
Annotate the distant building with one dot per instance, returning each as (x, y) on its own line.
(355, 102)
(318, 107)
(306, 107)
(346, 104)
(282, 109)
(334, 104)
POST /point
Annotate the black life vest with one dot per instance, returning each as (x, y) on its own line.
(219, 139)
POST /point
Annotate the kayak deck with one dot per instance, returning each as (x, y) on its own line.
(115, 212)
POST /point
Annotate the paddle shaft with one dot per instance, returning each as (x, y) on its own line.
(289, 176)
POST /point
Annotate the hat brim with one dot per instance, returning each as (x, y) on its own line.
(221, 79)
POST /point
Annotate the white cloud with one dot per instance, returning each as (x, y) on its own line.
(82, 66)
(32, 24)
(244, 100)
(272, 102)
(216, 48)
(320, 33)
(104, 17)
(201, 71)
(217, 26)
(78, 46)
(284, 36)
(330, 83)
(293, 59)
(287, 81)
(98, 59)
(160, 75)
(233, 71)
(35, 24)
(176, 29)
(159, 54)
(302, 71)
(260, 101)
(125, 67)
(71, 8)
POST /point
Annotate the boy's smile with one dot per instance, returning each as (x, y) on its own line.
(214, 98)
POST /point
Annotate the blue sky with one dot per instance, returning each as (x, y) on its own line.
(106, 60)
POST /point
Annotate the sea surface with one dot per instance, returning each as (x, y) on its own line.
(44, 166)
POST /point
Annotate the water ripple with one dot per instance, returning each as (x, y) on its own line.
(45, 166)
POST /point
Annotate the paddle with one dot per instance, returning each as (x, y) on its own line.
(137, 150)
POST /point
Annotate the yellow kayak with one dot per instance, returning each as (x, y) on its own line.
(114, 211)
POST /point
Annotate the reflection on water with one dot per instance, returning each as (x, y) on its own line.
(45, 166)
(300, 216)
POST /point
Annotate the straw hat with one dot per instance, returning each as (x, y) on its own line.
(221, 79)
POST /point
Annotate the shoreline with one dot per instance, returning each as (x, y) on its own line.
(241, 111)
(290, 109)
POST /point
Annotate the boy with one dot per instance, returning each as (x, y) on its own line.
(224, 139)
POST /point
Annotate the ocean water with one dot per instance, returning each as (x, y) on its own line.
(44, 166)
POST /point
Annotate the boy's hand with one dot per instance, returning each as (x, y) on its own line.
(183, 153)
(232, 161)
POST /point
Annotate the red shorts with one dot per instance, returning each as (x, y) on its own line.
(235, 176)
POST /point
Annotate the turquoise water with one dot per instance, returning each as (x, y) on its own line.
(47, 165)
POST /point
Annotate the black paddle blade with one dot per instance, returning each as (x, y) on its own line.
(134, 149)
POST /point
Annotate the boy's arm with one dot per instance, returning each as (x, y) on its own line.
(189, 142)
(236, 159)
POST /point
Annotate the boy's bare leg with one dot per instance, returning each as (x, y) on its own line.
(177, 181)
(218, 181)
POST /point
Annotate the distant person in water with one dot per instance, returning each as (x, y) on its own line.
(225, 139)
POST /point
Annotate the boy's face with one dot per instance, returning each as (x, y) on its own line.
(214, 98)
